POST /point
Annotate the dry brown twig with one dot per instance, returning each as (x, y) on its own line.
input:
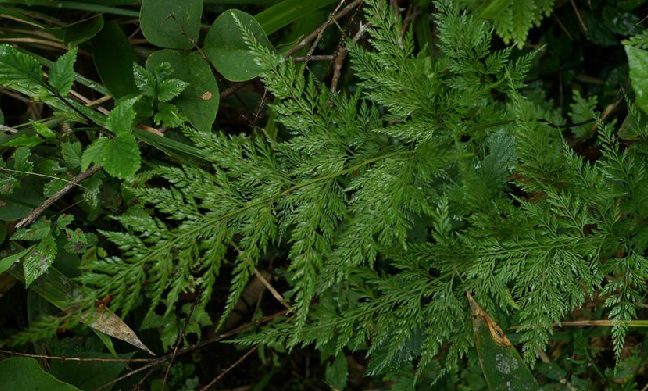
(339, 60)
(272, 290)
(75, 359)
(34, 214)
(318, 31)
(226, 371)
(217, 338)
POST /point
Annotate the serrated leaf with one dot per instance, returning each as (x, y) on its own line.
(64, 220)
(21, 160)
(94, 153)
(37, 231)
(61, 76)
(638, 63)
(39, 259)
(120, 155)
(199, 100)
(24, 374)
(72, 153)
(170, 89)
(227, 50)
(171, 23)
(21, 72)
(168, 115)
(120, 119)
(24, 141)
(42, 129)
(144, 80)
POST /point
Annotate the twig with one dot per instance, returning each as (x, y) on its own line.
(76, 359)
(578, 15)
(226, 371)
(339, 60)
(152, 364)
(8, 129)
(88, 102)
(35, 41)
(302, 44)
(272, 290)
(48, 202)
(317, 57)
(178, 342)
(99, 101)
(232, 89)
(188, 349)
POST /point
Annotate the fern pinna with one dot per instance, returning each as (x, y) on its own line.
(438, 176)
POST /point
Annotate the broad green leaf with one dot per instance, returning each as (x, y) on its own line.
(227, 50)
(94, 153)
(120, 120)
(336, 373)
(37, 231)
(113, 57)
(24, 141)
(288, 11)
(39, 259)
(21, 72)
(621, 22)
(501, 363)
(79, 32)
(21, 160)
(42, 129)
(168, 115)
(170, 89)
(6, 263)
(638, 62)
(72, 153)
(88, 376)
(22, 200)
(122, 156)
(171, 23)
(199, 100)
(119, 155)
(24, 374)
(61, 76)
(60, 290)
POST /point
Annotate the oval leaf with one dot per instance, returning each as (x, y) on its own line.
(171, 23)
(114, 57)
(24, 374)
(60, 290)
(227, 50)
(502, 365)
(638, 62)
(77, 33)
(199, 100)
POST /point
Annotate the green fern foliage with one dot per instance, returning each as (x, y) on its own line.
(512, 19)
(436, 179)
